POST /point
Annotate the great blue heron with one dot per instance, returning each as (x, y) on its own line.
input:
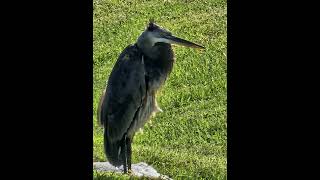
(129, 99)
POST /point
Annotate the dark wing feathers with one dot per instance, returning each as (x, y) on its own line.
(124, 93)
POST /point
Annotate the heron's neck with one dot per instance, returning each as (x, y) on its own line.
(159, 56)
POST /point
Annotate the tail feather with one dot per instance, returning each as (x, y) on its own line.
(113, 151)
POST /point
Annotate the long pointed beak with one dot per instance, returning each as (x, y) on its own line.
(179, 41)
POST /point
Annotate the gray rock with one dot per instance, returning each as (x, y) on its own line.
(139, 169)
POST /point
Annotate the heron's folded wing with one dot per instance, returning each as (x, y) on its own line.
(125, 91)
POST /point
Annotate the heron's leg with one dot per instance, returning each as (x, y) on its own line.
(124, 154)
(129, 151)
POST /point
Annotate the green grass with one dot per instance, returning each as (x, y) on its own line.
(188, 139)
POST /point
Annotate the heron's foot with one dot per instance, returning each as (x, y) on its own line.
(128, 172)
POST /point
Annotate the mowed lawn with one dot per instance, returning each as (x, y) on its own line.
(189, 138)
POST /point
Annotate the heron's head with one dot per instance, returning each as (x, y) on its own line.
(155, 34)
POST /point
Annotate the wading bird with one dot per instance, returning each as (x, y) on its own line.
(129, 99)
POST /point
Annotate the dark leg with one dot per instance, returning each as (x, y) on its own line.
(129, 151)
(124, 154)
